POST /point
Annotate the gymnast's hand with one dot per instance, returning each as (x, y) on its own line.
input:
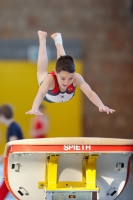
(34, 112)
(106, 109)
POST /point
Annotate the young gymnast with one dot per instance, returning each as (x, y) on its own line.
(60, 84)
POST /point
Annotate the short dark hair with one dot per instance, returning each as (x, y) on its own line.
(6, 110)
(65, 63)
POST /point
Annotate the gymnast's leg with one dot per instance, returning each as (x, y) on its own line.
(58, 43)
(42, 62)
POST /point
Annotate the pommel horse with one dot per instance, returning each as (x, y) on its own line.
(77, 168)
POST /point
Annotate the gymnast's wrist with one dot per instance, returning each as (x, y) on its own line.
(101, 106)
(35, 107)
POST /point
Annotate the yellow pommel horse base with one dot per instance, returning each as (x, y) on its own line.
(67, 168)
(88, 176)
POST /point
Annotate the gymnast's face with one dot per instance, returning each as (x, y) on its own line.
(65, 79)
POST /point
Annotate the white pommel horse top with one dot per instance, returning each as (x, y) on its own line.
(77, 168)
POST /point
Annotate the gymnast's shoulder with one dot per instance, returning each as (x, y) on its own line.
(78, 79)
(48, 81)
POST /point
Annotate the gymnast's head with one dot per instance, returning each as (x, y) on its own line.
(65, 70)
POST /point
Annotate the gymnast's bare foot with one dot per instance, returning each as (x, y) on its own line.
(57, 38)
(42, 35)
(54, 35)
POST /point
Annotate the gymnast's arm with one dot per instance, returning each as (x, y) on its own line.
(43, 89)
(93, 97)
